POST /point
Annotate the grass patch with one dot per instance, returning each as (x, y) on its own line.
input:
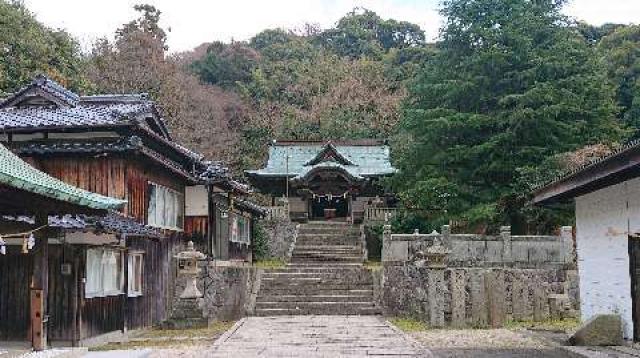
(552, 325)
(373, 265)
(409, 324)
(270, 264)
(169, 338)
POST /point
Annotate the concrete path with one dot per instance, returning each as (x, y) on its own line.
(316, 336)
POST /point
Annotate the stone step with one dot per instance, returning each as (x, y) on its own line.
(323, 305)
(320, 292)
(323, 247)
(338, 255)
(327, 251)
(342, 268)
(324, 274)
(315, 283)
(356, 311)
(328, 231)
(328, 259)
(323, 265)
(313, 291)
(349, 296)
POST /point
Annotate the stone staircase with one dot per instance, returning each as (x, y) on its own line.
(325, 276)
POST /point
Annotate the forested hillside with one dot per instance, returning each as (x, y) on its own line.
(512, 93)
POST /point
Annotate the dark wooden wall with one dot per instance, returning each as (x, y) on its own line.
(158, 283)
(196, 225)
(15, 276)
(113, 175)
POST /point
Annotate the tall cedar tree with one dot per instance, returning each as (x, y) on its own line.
(513, 84)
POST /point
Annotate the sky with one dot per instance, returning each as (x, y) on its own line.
(192, 22)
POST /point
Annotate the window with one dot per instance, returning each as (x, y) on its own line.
(166, 207)
(240, 230)
(135, 273)
(105, 272)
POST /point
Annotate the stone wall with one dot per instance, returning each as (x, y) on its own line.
(281, 236)
(478, 281)
(478, 297)
(227, 290)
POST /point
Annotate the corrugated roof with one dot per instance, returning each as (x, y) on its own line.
(367, 160)
(16, 173)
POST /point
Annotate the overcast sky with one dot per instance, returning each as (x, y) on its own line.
(193, 22)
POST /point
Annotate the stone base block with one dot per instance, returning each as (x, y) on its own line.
(601, 330)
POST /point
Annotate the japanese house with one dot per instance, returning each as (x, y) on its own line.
(28, 267)
(326, 180)
(607, 209)
(113, 272)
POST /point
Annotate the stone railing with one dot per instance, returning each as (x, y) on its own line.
(470, 250)
(275, 213)
(373, 214)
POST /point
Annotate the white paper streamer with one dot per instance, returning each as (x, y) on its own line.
(31, 242)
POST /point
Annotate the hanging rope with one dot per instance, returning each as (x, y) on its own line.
(22, 234)
(28, 240)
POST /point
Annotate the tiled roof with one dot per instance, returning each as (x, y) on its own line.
(111, 223)
(43, 86)
(630, 146)
(16, 173)
(78, 146)
(82, 115)
(360, 160)
(250, 207)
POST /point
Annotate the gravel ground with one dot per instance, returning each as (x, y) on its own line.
(493, 343)
(503, 353)
(479, 338)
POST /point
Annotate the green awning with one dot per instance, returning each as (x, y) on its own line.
(16, 173)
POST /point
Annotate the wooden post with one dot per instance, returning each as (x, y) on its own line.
(75, 301)
(39, 286)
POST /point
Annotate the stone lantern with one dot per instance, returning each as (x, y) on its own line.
(434, 256)
(188, 266)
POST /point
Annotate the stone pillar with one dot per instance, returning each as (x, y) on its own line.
(566, 235)
(494, 287)
(446, 233)
(435, 297)
(540, 303)
(505, 234)
(458, 298)
(520, 298)
(479, 312)
(386, 243)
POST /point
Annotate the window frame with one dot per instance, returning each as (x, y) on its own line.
(134, 272)
(176, 222)
(98, 288)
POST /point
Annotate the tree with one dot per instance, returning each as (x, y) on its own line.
(196, 113)
(362, 33)
(29, 48)
(225, 65)
(621, 53)
(512, 85)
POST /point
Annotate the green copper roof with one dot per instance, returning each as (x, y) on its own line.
(359, 161)
(16, 173)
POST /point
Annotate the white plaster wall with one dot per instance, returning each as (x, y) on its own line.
(602, 220)
(196, 201)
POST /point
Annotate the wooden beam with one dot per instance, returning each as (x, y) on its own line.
(39, 286)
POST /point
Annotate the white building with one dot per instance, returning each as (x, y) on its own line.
(607, 199)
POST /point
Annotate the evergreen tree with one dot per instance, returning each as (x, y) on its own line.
(512, 85)
(28, 48)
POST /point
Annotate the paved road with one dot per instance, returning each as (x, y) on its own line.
(316, 336)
